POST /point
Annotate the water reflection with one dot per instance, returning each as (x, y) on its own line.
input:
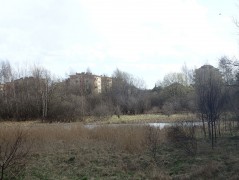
(163, 125)
(160, 125)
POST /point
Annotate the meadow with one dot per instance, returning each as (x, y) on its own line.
(72, 151)
(143, 118)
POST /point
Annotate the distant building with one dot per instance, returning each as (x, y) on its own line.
(6, 89)
(1, 87)
(89, 83)
(29, 84)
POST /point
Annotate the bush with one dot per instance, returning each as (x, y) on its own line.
(168, 108)
(153, 140)
(183, 137)
(102, 111)
(69, 108)
(13, 153)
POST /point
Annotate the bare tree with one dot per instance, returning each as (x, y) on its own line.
(6, 74)
(13, 154)
(172, 78)
(230, 71)
(210, 97)
(188, 74)
(226, 68)
(128, 93)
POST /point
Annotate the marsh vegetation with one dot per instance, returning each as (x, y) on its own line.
(72, 151)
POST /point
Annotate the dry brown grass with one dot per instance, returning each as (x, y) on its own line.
(131, 138)
(72, 151)
(119, 147)
(44, 136)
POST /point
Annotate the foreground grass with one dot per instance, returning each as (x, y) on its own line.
(144, 118)
(70, 151)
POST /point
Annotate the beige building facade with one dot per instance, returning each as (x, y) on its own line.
(90, 83)
(1, 87)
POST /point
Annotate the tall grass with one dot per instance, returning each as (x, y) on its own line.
(114, 151)
(132, 139)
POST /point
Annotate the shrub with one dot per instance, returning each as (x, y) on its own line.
(67, 108)
(153, 140)
(13, 152)
(102, 111)
(168, 108)
(183, 137)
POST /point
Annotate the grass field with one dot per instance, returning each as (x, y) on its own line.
(71, 151)
(143, 118)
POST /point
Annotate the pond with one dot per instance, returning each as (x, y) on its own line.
(162, 125)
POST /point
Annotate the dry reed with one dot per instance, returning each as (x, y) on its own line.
(59, 135)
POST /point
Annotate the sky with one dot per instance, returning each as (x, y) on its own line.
(146, 38)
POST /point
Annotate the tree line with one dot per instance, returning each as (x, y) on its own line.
(33, 93)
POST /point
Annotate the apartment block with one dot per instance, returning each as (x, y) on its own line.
(1, 87)
(90, 83)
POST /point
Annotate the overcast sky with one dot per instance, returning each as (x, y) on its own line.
(147, 38)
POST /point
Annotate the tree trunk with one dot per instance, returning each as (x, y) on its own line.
(209, 129)
(212, 138)
(2, 172)
(45, 101)
(204, 129)
(219, 128)
(215, 131)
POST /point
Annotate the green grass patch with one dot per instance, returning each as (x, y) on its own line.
(143, 118)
